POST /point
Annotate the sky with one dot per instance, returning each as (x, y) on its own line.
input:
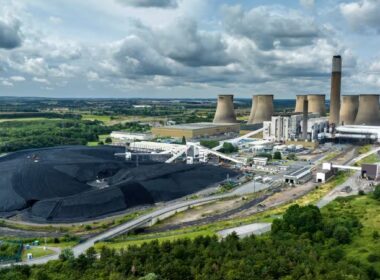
(186, 48)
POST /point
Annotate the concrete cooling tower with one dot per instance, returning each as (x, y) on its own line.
(349, 109)
(317, 104)
(263, 110)
(336, 77)
(253, 109)
(225, 112)
(368, 112)
(299, 103)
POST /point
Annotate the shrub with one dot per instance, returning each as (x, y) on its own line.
(277, 155)
(342, 235)
(376, 192)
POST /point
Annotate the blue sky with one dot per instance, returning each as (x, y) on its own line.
(186, 48)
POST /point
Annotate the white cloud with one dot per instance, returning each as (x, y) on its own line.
(307, 3)
(363, 15)
(92, 76)
(41, 80)
(17, 78)
(55, 20)
(150, 3)
(7, 83)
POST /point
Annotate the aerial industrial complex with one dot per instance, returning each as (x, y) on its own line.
(266, 156)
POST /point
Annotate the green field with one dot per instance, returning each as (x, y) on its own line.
(102, 118)
(367, 210)
(37, 252)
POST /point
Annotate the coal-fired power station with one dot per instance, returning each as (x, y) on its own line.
(368, 112)
(299, 103)
(225, 112)
(253, 110)
(263, 110)
(349, 109)
(336, 77)
(317, 104)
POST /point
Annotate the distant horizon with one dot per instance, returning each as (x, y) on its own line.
(186, 48)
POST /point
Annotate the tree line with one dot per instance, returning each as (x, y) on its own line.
(303, 245)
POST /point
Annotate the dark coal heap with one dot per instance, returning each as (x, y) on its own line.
(56, 184)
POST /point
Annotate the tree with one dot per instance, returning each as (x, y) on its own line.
(292, 157)
(376, 192)
(277, 155)
(228, 148)
(299, 219)
(183, 142)
(66, 255)
(342, 235)
(108, 140)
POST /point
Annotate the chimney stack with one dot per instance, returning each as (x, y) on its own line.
(304, 120)
(336, 77)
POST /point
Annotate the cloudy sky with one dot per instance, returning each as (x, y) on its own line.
(186, 48)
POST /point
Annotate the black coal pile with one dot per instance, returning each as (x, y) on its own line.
(56, 184)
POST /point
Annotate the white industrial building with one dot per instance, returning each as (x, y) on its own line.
(285, 128)
(353, 132)
(130, 136)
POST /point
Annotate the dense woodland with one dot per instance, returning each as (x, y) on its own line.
(303, 245)
(18, 135)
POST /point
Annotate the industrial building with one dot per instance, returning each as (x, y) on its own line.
(370, 171)
(225, 112)
(361, 133)
(196, 130)
(299, 176)
(286, 128)
(130, 136)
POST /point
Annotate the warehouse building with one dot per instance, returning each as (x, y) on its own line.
(197, 130)
(299, 176)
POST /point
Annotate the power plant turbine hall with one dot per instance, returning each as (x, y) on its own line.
(317, 104)
(349, 109)
(368, 112)
(336, 77)
(225, 112)
(263, 110)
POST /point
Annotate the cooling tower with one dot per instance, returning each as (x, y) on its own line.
(349, 109)
(317, 104)
(299, 103)
(336, 77)
(368, 112)
(253, 109)
(225, 112)
(264, 109)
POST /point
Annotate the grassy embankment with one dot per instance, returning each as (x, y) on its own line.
(364, 247)
(211, 229)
